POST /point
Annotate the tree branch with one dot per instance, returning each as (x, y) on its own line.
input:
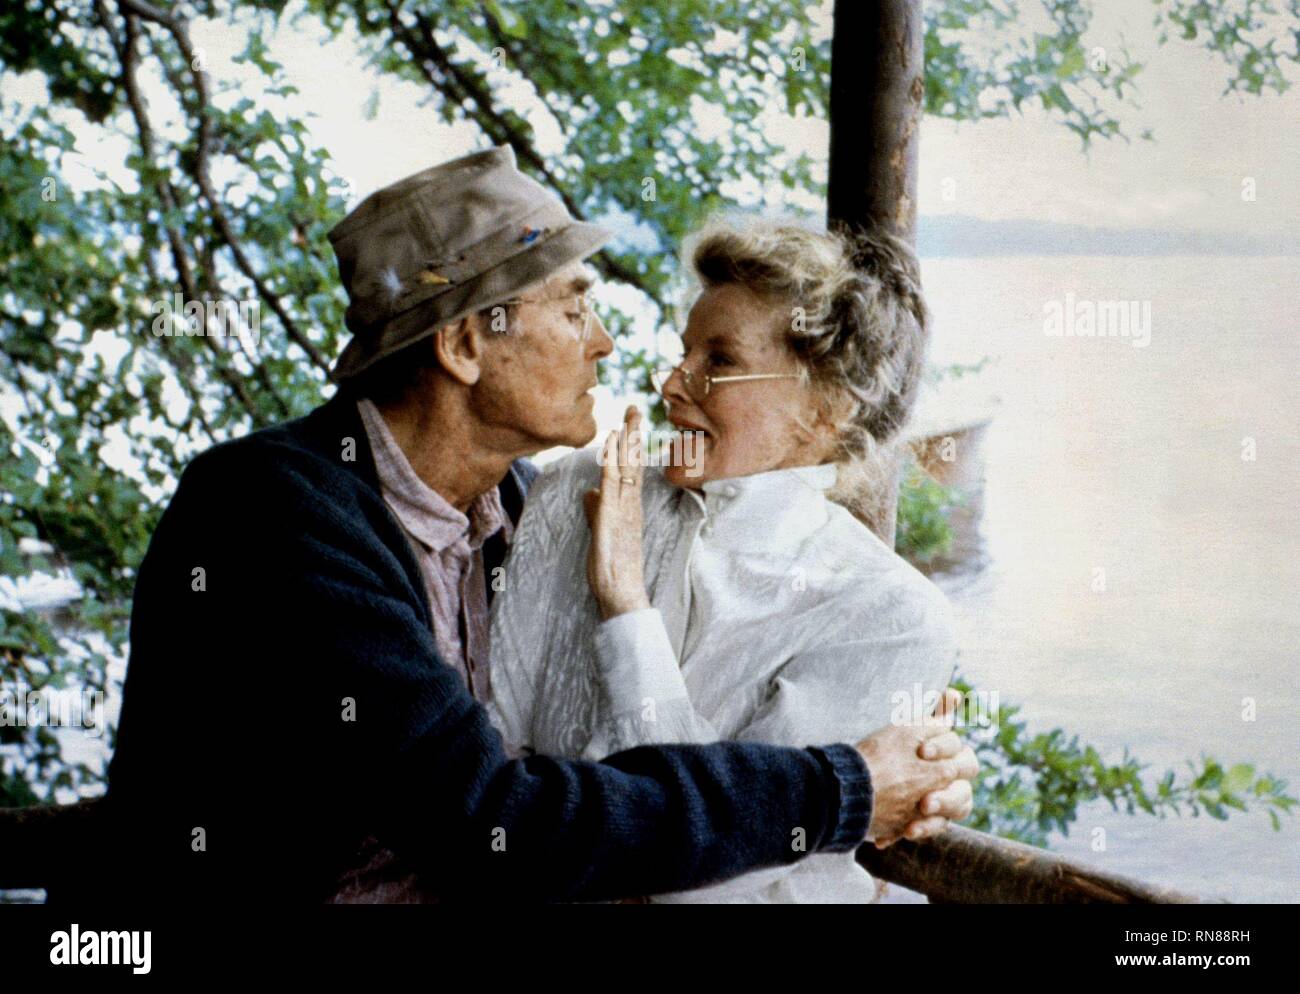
(425, 49)
(206, 257)
(129, 57)
(202, 176)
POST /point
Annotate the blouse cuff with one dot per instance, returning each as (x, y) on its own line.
(851, 809)
(638, 668)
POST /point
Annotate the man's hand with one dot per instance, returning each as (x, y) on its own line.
(920, 776)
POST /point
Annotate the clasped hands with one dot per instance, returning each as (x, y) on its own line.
(920, 776)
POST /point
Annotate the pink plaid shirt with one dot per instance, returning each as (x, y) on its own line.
(449, 548)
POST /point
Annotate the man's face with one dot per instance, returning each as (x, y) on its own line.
(536, 382)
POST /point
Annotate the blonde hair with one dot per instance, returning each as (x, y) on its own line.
(858, 326)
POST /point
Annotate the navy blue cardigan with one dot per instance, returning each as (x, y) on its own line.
(284, 699)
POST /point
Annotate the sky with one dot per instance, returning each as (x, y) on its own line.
(1028, 167)
(1188, 178)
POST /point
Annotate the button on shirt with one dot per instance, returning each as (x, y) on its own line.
(448, 546)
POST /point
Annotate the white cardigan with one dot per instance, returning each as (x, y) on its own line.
(778, 617)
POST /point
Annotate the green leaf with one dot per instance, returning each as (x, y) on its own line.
(1239, 777)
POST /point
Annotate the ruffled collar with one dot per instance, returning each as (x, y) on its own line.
(766, 512)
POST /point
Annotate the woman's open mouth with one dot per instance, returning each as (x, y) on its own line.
(688, 427)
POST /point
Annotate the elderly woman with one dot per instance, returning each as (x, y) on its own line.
(733, 594)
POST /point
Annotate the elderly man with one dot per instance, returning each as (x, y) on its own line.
(303, 705)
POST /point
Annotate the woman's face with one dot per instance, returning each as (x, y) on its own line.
(744, 427)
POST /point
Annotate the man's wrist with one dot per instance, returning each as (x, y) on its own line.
(850, 807)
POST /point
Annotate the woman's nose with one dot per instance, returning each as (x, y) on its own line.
(674, 389)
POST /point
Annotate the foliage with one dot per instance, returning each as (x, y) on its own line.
(225, 197)
(1031, 785)
(923, 531)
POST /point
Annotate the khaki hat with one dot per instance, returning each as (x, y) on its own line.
(444, 243)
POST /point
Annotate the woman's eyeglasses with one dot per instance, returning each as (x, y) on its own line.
(698, 385)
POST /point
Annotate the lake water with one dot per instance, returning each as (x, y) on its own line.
(1108, 457)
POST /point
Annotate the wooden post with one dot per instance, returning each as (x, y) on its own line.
(877, 98)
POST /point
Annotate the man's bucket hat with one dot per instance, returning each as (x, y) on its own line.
(444, 243)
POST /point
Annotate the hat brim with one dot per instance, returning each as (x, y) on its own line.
(533, 265)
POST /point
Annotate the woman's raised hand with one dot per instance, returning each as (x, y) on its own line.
(614, 516)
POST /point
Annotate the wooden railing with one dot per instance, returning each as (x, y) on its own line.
(38, 844)
(961, 866)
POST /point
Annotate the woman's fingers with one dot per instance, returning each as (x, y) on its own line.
(968, 764)
(614, 568)
(921, 828)
(631, 461)
(622, 459)
(623, 444)
(609, 464)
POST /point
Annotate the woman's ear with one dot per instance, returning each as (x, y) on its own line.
(834, 408)
(459, 347)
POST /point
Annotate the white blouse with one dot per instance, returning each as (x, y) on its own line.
(777, 617)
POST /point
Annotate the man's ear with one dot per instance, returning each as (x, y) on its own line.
(459, 347)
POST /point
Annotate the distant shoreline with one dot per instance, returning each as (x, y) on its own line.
(958, 236)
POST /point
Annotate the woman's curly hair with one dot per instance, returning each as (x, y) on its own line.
(858, 327)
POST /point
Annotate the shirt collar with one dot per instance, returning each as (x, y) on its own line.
(422, 511)
(781, 507)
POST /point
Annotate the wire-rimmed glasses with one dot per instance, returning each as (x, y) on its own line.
(699, 385)
(582, 308)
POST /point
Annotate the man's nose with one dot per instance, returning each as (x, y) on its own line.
(599, 342)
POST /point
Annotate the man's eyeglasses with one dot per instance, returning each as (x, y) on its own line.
(580, 317)
(699, 385)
